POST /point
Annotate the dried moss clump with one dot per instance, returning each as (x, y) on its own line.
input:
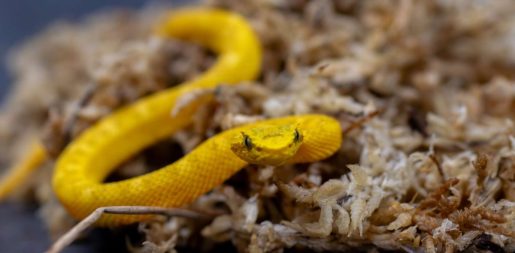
(424, 89)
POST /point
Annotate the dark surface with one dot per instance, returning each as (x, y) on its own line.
(22, 231)
(20, 228)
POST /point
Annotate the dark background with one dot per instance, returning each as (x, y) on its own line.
(20, 228)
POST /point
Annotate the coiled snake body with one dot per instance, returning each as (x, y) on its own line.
(84, 164)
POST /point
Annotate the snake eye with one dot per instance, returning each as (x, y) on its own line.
(247, 142)
(296, 136)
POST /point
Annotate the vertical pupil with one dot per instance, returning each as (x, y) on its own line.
(296, 135)
(247, 142)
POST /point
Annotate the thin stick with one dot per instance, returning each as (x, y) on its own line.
(438, 166)
(87, 222)
(83, 101)
(361, 121)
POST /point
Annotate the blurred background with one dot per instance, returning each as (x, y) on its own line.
(21, 19)
(20, 228)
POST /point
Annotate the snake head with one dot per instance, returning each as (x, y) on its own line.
(267, 145)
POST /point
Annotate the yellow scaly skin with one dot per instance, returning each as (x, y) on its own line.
(19, 173)
(86, 162)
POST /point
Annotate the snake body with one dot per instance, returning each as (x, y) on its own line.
(87, 161)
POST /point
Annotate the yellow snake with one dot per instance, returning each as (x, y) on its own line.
(85, 163)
